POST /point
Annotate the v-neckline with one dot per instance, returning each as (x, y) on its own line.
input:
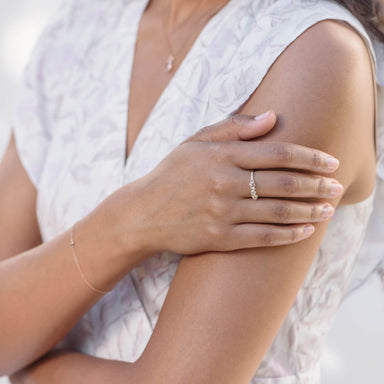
(171, 82)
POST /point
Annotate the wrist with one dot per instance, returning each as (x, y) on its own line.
(127, 243)
(105, 253)
(121, 221)
(126, 211)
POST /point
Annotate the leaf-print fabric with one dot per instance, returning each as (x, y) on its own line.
(70, 127)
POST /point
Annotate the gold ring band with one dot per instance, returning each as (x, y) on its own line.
(252, 185)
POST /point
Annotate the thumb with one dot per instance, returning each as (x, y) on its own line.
(257, 126)
(237, 127)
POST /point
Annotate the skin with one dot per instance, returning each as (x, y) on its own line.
(150, 53)
(218, 332)
(32, 282)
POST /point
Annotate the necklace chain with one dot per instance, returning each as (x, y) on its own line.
(171, 57)
(170, 62)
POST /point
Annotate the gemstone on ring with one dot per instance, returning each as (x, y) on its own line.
(252, 185)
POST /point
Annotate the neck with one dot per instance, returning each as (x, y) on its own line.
(178, 11)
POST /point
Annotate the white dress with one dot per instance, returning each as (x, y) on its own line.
(70, 128)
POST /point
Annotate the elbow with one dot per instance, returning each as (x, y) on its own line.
(8, 357)
(10, 363)
(16, 351)
(8, 368)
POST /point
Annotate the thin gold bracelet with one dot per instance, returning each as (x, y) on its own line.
(86, 281)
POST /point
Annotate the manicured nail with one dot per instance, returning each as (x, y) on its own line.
(336, 189)
(328, 211)
(332, 163)
(263, 116)
(308, 230)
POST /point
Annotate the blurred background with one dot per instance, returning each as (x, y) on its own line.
(354, 353)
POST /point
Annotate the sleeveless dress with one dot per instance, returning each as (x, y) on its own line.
(70, 127)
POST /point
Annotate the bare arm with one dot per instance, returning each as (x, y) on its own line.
(222, 311)
(38, 306)
(18, 199)
(42, 294)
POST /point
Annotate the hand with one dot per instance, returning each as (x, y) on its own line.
(198, 198)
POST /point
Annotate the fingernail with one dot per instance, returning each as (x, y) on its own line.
(336, 189)
(308, 230)
(328, 211)
(332, 163)
(263, 116)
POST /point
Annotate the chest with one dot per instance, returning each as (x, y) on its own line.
(149, 78)
(158, 53)
(148, 82)
(120, 103)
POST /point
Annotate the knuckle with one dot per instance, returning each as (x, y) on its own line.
(316, 159)
(203, 134)
(219, 152)
(283, 213)
(291, 184)
(217, 208)
(214, 148)
(282, 152)
(268, 238)
(217, 186)
(236, 120)
(313, 213)
(321, 186)
(294, 235)
(213, 232)
(226, 152)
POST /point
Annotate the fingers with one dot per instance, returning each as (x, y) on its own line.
(264, 235)
(263, 155)
(275, 211)
(264, 123)
(288, 185)
(236, 128)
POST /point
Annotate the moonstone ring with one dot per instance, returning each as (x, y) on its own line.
(252, 185)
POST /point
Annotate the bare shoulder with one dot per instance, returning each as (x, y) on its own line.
(330, 41)
(228, 308)
(322, 89)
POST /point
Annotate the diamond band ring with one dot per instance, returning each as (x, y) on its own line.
(252, 185)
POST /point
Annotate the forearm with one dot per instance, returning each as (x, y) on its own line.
(198, 348)
(76, 368)
(42, 293)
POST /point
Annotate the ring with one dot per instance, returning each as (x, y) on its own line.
(252, 185)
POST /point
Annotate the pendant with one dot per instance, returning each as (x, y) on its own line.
(169, 63)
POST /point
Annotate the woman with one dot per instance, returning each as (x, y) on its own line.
(223, 318)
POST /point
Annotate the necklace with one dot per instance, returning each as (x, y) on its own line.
(171, 57)
(170, 62)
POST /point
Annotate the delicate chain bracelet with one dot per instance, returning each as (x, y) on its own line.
(72, 244)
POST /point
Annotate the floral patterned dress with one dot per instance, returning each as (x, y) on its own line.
(70, 127)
